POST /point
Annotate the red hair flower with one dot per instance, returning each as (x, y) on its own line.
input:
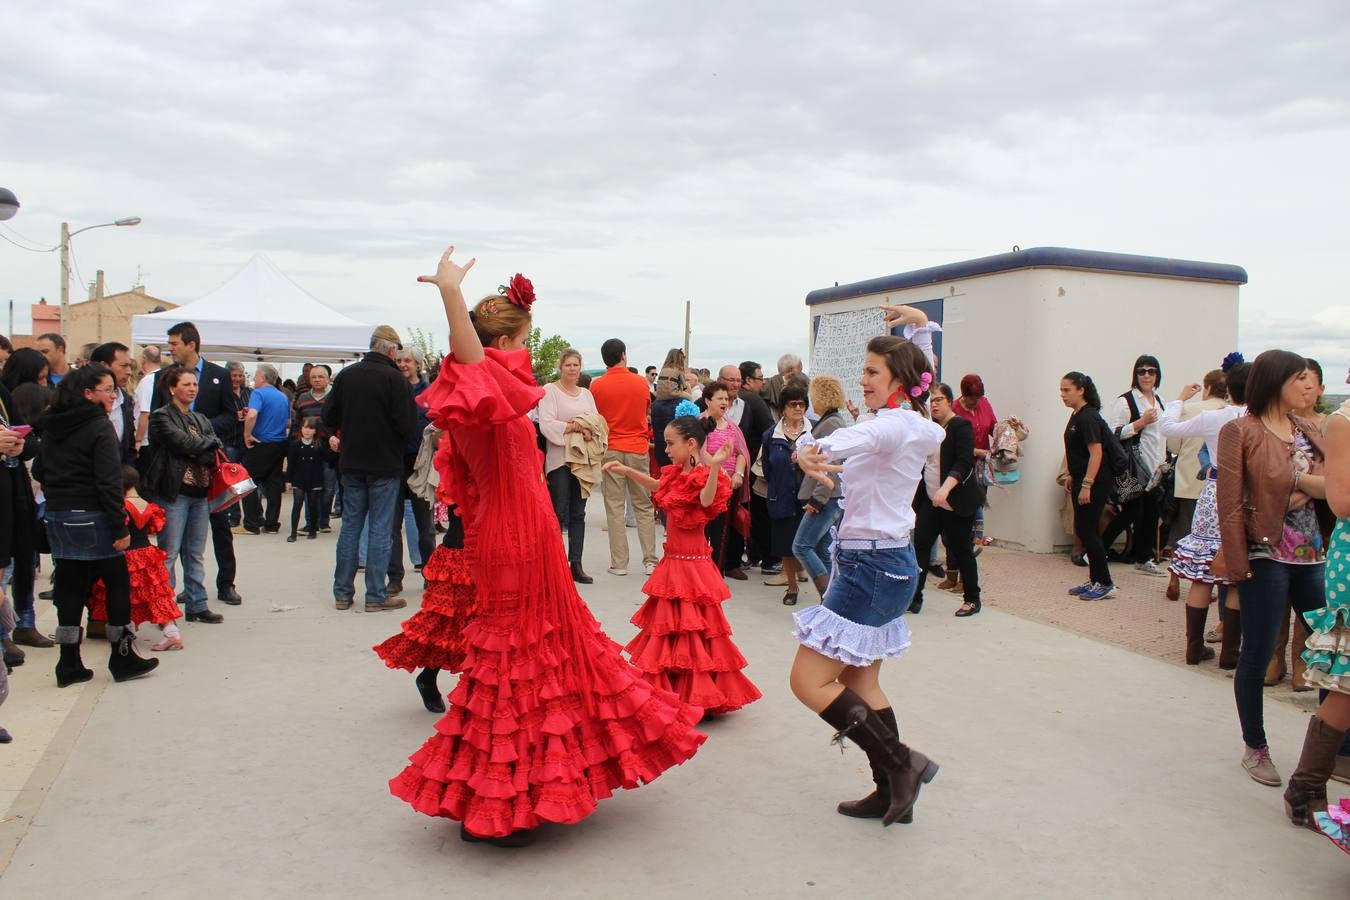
(520, 291)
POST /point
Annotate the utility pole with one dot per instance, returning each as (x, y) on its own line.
(98, 305)
(65, 278)
(686, 336)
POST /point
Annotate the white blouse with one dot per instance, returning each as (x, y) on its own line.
(1206, 424)
(885, 458)
(1151, 444)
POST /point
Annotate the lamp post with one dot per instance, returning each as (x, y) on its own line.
(9, 204)
(66, 235)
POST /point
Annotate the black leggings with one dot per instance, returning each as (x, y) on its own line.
(1141, 516)
(309, 500)
(73, 579)
(1086, 527)
(956, 531)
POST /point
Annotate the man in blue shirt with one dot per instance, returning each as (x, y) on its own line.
(267, 422)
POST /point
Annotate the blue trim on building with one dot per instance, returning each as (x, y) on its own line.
(1036, 258)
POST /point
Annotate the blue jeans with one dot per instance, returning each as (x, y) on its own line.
(187, 523)
(812, 543)
(365, 498)
(25, 609)
(1261, 601)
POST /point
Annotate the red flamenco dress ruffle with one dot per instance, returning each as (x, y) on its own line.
(433, 637)
(152, 597)
(684, 643)
(547, 719)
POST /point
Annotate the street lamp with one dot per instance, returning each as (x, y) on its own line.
(66, 235)
(9, 204)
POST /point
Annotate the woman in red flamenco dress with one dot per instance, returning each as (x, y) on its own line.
(547, 719)
(152, 597)
(432, 639)
(684, 643)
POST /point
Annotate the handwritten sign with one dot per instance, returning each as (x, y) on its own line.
(841, 346)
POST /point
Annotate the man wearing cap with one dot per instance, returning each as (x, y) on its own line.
(374, 400)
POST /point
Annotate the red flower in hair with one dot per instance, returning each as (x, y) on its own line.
(520, 291)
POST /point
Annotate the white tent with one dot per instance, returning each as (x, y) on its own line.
(260, 314)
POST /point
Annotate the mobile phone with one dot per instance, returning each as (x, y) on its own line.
(21, 430)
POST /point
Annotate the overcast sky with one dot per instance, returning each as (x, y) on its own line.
(629, 156)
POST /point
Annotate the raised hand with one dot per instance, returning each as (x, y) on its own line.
(903, 315)
(815, 464)
(448, 275)
(1189, 391)
(721, 455)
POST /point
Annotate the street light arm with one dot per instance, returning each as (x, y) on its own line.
(133, 220)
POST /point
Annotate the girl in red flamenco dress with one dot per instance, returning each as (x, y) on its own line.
(547, 719)
(684, 643)
(152, 597)
(432, 639)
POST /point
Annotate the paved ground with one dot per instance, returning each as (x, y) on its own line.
(254, 764)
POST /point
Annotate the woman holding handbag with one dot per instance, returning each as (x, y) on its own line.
(718, 397)
(176, 470)
(953, 494)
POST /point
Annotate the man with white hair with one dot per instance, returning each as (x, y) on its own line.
(788, 365)
(267, 422)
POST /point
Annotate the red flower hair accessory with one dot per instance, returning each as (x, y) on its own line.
(520, 291)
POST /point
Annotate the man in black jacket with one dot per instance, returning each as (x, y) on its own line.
(217, 402)
(117, 358)
(374, 402)
(755, 420)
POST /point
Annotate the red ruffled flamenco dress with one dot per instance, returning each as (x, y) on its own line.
(152, 597)
(547, 718)
(685, 640)
(433, 637)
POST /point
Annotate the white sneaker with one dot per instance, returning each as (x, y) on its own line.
(614, 571)
(1150, 568)
(650, 567)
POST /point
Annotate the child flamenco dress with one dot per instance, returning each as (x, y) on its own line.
(547, 719)
(152, 597)
(433, 637)
(684, 644)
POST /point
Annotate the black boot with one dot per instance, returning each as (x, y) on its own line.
(873, 806)
(70, 668)
(431, 695)
(906, 770)
(579, 574)
(124, 664)
(522, 838)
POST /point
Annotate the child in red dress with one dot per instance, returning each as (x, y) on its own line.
(152, 598)
(684, 644)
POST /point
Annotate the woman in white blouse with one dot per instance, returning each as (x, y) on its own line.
(1134, 416)
(860, 620)
(562, 402)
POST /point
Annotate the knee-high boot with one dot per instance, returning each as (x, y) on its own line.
(1307, 790)
(906, 770)
(1195, 635)
(873, 806)
(69, 667)
(1232, 639)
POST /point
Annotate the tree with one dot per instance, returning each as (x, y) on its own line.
(544, 354)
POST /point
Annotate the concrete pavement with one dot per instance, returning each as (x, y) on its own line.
(255, 762)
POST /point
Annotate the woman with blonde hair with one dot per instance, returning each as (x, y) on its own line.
(670, 390)
(559, 411)
(812, 543)
(547, 719)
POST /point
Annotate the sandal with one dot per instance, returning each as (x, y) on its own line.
(790, 598)
(968, 609)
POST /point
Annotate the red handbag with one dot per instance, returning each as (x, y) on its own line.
(230, 484)
(740, 520)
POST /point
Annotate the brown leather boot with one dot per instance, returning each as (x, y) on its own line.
(1195, 635)
(906, 769)
(1297, 667)
(951, 581)
(822, 582)
(1232, 639)
(31, 637)
(1275, 669)
(873, 806)
(1307, 790)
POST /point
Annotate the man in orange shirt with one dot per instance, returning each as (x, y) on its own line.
(624, 399)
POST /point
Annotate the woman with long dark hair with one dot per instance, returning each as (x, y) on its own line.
(80, 469)
(25, 376)
(860, 621)
(176, 469)
(1270, 472)
(1090, 479)
(26, 397)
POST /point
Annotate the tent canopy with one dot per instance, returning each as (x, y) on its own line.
(260, 314)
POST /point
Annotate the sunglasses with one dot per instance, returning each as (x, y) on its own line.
(1146, 370)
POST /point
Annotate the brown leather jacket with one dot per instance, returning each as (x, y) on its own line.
(1256, 480)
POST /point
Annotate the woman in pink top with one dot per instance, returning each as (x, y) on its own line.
(975, 407)
(563, 401)
(717, 396)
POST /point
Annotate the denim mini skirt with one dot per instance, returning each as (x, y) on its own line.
(861, 618)
(80, 534)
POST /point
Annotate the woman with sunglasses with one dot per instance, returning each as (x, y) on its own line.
(1134, 419)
